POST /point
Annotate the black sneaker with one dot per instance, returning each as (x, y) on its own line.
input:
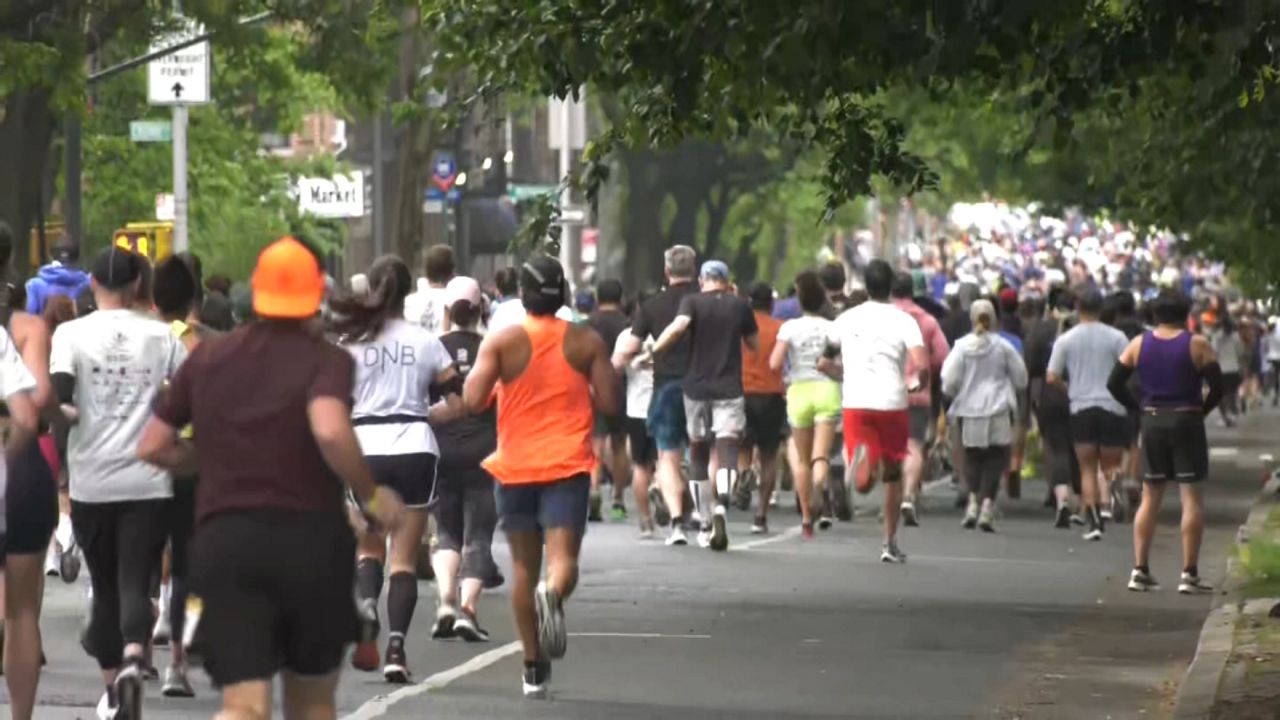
(365, 658)
(839, 499)
(396, 670)
(1094, 521)
(593, 515)
(128, 691)
(1064, 518)
(742, 490)
(468, 628)
(536, 678)
(658, 504)
(1119, 502)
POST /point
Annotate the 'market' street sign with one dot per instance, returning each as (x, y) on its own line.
(181, 77)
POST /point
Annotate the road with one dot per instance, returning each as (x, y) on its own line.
(1031, 622)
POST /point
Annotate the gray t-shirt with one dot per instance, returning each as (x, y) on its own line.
(1084, 357)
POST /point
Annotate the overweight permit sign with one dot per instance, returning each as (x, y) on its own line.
(181, 77)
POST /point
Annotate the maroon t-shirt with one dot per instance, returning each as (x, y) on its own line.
(246, 396)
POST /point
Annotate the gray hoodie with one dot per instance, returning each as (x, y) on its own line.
(983, 374)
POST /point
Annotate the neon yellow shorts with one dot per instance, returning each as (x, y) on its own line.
(813, 401)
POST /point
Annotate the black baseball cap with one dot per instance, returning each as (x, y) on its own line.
(543, 275)
(116, 267)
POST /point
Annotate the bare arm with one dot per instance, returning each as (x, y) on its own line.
(603, 378)
(483, 377)
(779, 357)
(920, 359)
(35, 355)
(752, 342)
(330, 421)
(672, 334)
(631, 347)
(161, 446)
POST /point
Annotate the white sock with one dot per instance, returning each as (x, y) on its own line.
(63, 534)
(700, 489)
(166, 594)
(724, 482)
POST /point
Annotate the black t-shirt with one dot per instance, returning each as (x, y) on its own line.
(719, 322)
(465, 442)
(610, 324)
(654, 317)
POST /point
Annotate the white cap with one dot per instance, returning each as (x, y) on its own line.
(463, 288)
(360, 284)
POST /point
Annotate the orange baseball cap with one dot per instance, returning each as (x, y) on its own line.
(287, 282)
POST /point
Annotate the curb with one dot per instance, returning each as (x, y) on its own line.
(1199, 688)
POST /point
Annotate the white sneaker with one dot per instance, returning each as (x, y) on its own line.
(1142, 582)
(889, 553)
(719, 540)
(162, 632)
(704, 539)
(106, 708)
(1193, 585)
(53, 561)
(677, 537)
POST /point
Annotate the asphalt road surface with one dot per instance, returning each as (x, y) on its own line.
(1031, 622)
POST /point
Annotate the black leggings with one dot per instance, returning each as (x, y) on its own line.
(181, 526)
(466, 516)
(1230, 394)
(983, 468)
(1055, 434)
(123, 543)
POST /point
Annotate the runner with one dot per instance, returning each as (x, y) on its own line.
(718, 324)
(921, 401)
(271, 560)
(1272, 349)
(643, 450)
(666, 417)
(396, 362)
(1174, 367)
(766, 408)
(30, 492)
(109, 366)
(426, 306)
(463, 507)
(984, 376)
(875, 341)
(1229, 350)
(506, 282)
(610, 436)
(63, 558)
(175, 295)
(547, 373)
(1052, 407)
(813, 399)
(1082, 358)
(59, 277)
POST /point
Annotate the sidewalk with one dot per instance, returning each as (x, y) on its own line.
(1236, 671)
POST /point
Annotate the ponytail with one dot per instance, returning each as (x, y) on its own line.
(361, 319)
(983, 325)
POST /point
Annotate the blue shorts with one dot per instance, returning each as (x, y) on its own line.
(666, 420)
(545, 506)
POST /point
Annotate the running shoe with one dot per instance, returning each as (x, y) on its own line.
(1064, 518)
(840, 501)
(760, 526)
(742, 490)
(661, 514)
(825, 522)
(365, 658)
(396, 671)
(971, 514)
(1077, 519)
(445, 619)
(618, 513)
(646, 531)
(107, 704)
(1193, 585)
(1119, 502)
(52, 561)
(677, 537)
(1094, 520)
(909, 514)
(552, 638)
(719, 540)
(806, 531)
(1105, 513)
(128, 691)
(1142, 581)
(161, 633)
(593, 515)
(176, 684)
(890, 553)
(535, 680)
(69, 564)
(468, 627)
(986, 521)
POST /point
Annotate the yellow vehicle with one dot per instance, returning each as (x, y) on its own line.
(153, 240)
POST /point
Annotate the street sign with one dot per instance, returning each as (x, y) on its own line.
(573, 216)
(444, 173)
(165, 206)
(435, 193)
(341, 196)
(150, 130)
(181, 77)
(518, 191)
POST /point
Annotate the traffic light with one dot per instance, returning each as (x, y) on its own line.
(138, 241)
(152, 240)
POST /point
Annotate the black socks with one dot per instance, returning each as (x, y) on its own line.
(402, 599)
(369, 578)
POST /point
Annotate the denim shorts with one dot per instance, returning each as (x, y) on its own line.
(534, 507)
(666, 420)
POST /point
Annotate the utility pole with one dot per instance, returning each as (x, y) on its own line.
(180, 236)
(566, 157)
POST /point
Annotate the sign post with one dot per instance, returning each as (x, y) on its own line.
(180, 79)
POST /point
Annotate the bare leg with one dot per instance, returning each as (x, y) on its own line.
(619, 466)
(1144, 523)
(1192, 525)
(1088, 456)
(892, 498)
(526, 567)
(446, 564)
(641, 479)
(23, 589)
(310, 697)
(1109, 459)
(768, 479)
(802, 444)
(250, 700)
(671, 481)
(563, 545)
(913, 470)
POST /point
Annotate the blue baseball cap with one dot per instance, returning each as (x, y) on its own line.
(715, 270)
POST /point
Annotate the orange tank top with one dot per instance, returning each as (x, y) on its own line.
(545, 415)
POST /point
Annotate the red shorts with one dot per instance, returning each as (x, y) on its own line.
(884, 433)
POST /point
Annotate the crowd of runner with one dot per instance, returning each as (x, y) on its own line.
(245, 473)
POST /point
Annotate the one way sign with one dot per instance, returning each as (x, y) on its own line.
(182, 76)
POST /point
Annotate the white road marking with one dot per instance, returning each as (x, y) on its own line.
(787, 534)
(642, 636)
(1224, 451)
(378, 706)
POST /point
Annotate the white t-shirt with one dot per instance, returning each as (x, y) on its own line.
(393, 374)
(806, 339)
(511, 312)
(874, 338)
(120, 360)
(639, 383)
(427, 308)
(14, 378)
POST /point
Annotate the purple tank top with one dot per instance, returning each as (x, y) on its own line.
(1169, 377)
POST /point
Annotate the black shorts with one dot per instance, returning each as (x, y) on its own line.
(412, 476)
(31, 504)
(276, 587)
(613, 426)
(1095, 426)
(766, 421)
(919, 418)
(644, 451)
(1175, 447)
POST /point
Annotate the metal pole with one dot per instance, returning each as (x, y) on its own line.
(566, 136)
(180, 242)
(379, 188)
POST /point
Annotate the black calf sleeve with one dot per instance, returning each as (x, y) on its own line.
(369, 578)
(699, 459)
(727, 453)
(402, 599)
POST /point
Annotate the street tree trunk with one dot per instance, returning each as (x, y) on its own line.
(26, 136)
